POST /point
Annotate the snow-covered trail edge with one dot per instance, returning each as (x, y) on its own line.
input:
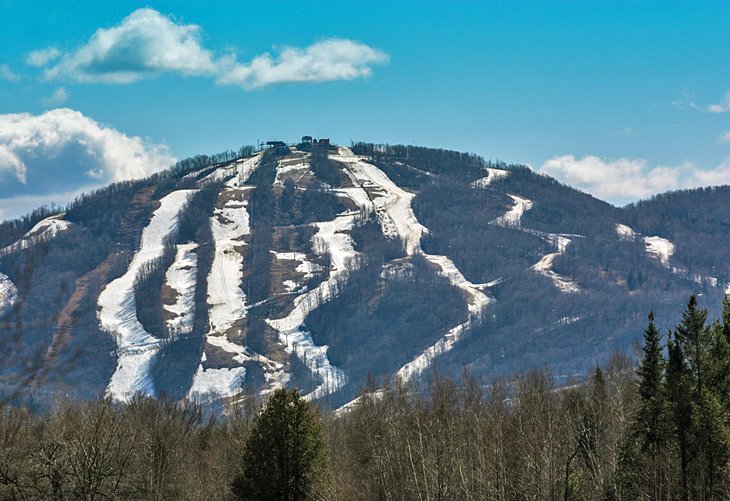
(513, 219)
(181, 277)
(393, 207)
(117, 307)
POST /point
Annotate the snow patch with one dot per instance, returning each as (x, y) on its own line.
(305, 266)
(492, 176)
(545, 265)
(513, 217)
(625, 233)
(181, 277)
(392, 204)
(332, 238)
(659, 248)
(117, 307)
(43, 230)
(210, 384)
(8, 294)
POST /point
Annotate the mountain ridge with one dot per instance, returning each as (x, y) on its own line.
(318, 266)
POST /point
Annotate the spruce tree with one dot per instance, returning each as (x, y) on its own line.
(285, 456)
(653, 427)
(679, 391)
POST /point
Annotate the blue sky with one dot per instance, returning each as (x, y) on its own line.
(622, 99)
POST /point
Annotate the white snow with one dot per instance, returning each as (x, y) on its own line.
(209, 384)
(226, 300)
(659, 248)
(283, 170)
(8, 294)
(332, 238)
(393, 207)
(305, 266)
(545, 265)
(392, 203)
(241, 169)
(513, 217)
(625, 233)
(43, 230)
(181, 277)
(117, 308)
(492, 175)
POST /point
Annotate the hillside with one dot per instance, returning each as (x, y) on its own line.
(318, 266)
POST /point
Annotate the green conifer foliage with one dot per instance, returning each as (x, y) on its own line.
(285, 457)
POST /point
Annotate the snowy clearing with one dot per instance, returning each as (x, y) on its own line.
(513, 217)
(283, 170)
(392, 203)
(210, 384)
(117, 307)
(659, 248)
(8, 294)
(625, 233)
(229, 226)
(181, 278)
(393, 208)
(305, 266)
(545, 266)
(492, 176)
(332, 238)
(43, 230)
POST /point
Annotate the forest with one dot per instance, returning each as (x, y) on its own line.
(657, 428)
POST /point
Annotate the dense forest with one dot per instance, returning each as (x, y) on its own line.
(659, 429)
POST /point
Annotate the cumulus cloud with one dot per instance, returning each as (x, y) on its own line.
(7, 74)
(722, 107)
(332, 59)
(59, 96)
(147, 44)
(104, 153)
(625, 180)
(42, 57)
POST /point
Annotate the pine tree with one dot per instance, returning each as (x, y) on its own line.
(652, 421)
(284, 457)
(680, 396)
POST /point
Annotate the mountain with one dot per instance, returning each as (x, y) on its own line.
(320, 266)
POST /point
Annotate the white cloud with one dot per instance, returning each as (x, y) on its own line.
(725, 137)
(41, 138)
(42, 57)
(147, 44)
(7, 74)
(59, 96)
(327, 60)
(625, 180)
(722, 107)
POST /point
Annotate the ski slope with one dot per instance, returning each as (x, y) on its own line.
(181, 278)
(43, 230)
(8, 294)
(117, 312)
(659, 248)
(393, 207)
(492, 176)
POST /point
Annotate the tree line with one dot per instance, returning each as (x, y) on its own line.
(656, 430)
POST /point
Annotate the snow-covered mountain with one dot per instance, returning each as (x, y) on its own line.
(319, 266)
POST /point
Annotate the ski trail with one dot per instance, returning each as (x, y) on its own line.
(117, 307)
(659, 248)
(492, 176)
(8, 294)
(181, 277)
(230, 225)
(43, 230)
(393, 207)
(331, 238)
(513, 219)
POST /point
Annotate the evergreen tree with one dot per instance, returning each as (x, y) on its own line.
(285, 457)
(680, 396)
(652, 421)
